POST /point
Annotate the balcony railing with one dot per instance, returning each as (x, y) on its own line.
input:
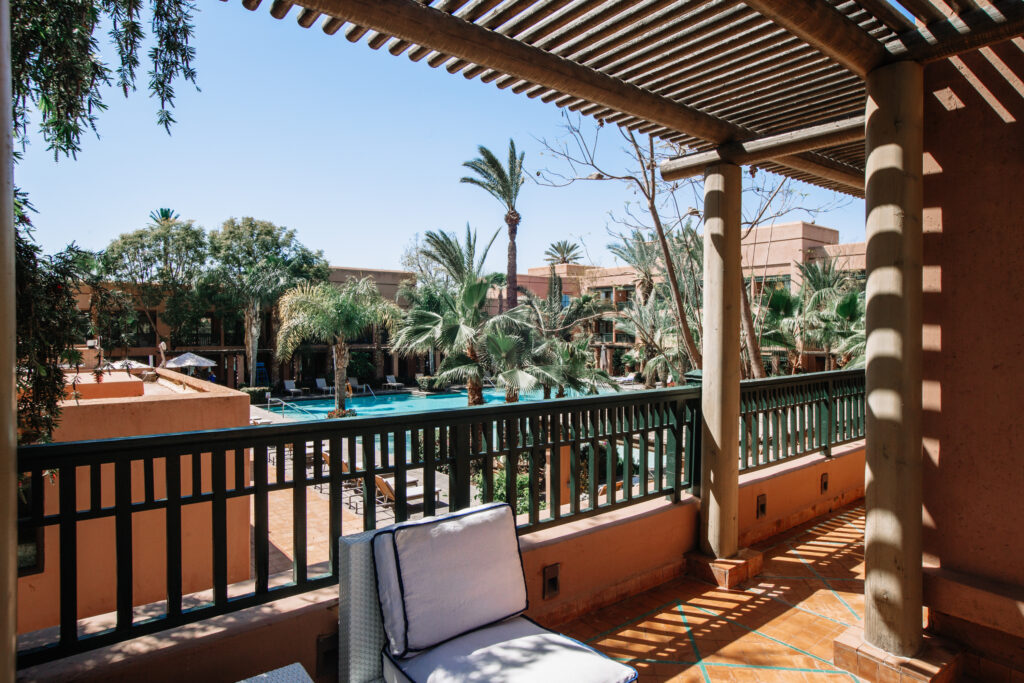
(198, 339)
(786, 417)
(580, 457)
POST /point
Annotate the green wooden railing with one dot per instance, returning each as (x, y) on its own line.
(578, 457)
(791, 416)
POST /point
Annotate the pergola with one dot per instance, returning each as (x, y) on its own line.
(824, 91)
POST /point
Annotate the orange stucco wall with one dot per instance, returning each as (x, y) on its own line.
(974, 329)
(212, 408)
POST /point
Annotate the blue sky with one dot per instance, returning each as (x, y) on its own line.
(353, 148)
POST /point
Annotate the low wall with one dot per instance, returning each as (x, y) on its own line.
(793, 494)
(602, 559)
(209, 407)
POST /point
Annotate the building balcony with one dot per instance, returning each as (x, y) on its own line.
(217, 551)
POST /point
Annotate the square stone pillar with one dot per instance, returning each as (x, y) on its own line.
(720, 386)
(892, 537)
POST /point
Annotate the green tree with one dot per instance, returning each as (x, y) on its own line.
(48, 327)
(563, 251)
(255, 261)
(56, 70)
(458, 324)
(330, 314)
(503, 183)
(161, 264)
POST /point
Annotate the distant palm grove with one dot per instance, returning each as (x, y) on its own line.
(276, 296)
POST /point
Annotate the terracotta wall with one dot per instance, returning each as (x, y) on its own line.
(214, 407)
(974, 334)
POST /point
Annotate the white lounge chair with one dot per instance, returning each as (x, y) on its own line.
(323, 387)
(289, 386)
(356, 386)
(393, 580)
(391, 383)
(628, 379)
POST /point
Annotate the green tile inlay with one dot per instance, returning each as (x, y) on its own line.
(693, 642)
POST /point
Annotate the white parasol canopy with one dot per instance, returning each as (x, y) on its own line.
(190, 360)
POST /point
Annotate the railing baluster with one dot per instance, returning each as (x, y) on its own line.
(334, 498)
(429, 468)
(401, 480)
(555, 466)
(172, 529)
(220, 526)
(369, 482)
(536, 455)
(512, 463)
(123, 540)
(299, 493)
(261, 517)
(576, 438)
(68, 555)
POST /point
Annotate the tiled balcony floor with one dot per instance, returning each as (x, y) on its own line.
(778, 627)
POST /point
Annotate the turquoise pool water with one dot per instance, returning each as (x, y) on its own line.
(394, 404)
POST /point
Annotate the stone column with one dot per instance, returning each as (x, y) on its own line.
(720, 388)
(394, 364)
(8, 414)
(892, 536)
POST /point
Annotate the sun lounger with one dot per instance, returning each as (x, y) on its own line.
(628, 379)
(323, 387)
(356, 386)
(289, 386)
(391, 383)
(386, 492)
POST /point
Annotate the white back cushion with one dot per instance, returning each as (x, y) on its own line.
(454, 574)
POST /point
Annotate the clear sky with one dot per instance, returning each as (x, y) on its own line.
(355, 149)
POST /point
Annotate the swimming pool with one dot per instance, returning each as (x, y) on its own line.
(394, 404)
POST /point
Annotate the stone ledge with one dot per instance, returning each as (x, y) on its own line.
(937, 662)
(725, 572)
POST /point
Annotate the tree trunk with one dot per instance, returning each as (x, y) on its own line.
(547, 392)
(275, 365)
(378, 353)
(252, 339)
(511, 285)
(677, 296)
(561, 391)
(511, 395)
(340, 372)
(749, 336)
(474, 387)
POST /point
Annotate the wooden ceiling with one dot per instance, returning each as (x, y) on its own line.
(698, 73)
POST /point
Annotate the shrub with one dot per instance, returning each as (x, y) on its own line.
(256, 394)
(522, 504)
(335, 414)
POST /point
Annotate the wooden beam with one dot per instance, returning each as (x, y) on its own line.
(827, 30)
(450, 35)
(984, 31)
(769, 147)
(824, 168)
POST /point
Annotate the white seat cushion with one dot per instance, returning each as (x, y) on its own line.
(512, 651)
(446, 576)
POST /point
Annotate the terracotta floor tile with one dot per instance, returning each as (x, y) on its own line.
(779, 627)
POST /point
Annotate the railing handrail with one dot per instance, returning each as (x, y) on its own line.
(356, 425)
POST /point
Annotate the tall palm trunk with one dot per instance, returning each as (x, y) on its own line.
(252, 339)
(340, 372)
(512, 219)
(378, 353)
(511, 395)
(474, 387)
(749, 336)
(275, 364)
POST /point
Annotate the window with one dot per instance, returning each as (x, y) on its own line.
(145, 335)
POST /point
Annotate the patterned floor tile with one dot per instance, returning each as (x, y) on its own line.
(779, 627)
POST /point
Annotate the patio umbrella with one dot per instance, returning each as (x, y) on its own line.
(129, 364)
(190, 360)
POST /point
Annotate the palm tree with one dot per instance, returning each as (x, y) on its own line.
(163, 215)
(503, 184)
(258, 288)
(562, 252)
(457, 322)
(510, 356)
(641, 255)
(332, 315)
